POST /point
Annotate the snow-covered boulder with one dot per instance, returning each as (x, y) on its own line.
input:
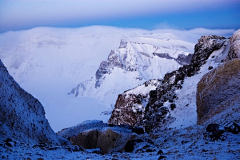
(218, 87)
(235, 46)
(107, 139)
(96, 134)
(22, 117)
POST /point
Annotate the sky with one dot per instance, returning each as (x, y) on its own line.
(145, 14)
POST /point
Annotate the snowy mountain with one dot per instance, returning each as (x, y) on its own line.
(49, 62)
(134, 62)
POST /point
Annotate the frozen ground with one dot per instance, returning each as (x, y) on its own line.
(188, 143)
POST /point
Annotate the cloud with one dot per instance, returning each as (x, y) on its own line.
(30, 13)
(165, 25)
(193, 35)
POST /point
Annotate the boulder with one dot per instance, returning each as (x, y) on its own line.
(218, 88)
(108, 139)
(215, 131)
(87, 139)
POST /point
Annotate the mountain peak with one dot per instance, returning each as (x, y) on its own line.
(123, 43)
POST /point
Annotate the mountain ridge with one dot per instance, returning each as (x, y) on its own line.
(161, 101)
(136, 62)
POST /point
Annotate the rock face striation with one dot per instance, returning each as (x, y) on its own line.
(217, 87)
(22, 117)
(155, 115)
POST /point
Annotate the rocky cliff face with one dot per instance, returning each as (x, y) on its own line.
(235, 46)
(130, 106)
(157, 115)
(218, 87)
(22, 117)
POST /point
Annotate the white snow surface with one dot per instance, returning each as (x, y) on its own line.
(144, 89)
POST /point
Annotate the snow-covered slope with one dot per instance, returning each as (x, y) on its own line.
(209, 53)
(22, 117)
(49, 62)
(134, 62)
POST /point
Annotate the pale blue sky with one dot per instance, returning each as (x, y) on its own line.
(145, 14)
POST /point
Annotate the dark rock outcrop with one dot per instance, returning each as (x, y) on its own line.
(123, 112)
(22, 117)
(130, 106)
(181, 59)
(215, 131)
